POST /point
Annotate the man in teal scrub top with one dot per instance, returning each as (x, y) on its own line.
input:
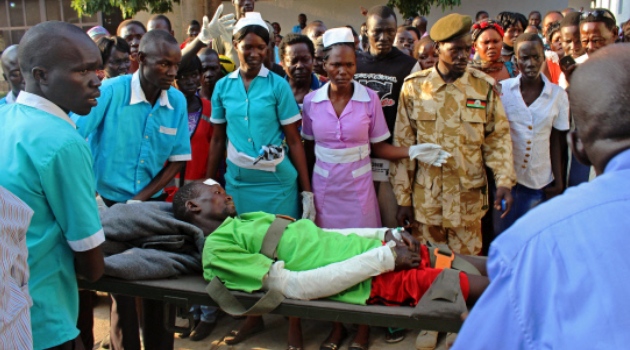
(48, 165)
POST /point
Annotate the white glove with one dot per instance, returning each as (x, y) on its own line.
(308, 206)
(219, 26)
(330, 279)
(429, 153)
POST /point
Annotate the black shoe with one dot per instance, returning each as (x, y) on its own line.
(202, 331)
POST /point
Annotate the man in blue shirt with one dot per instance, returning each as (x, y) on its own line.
(47, 164)
(140, 123)
(297, 29)
(11, 73)
(560, 275)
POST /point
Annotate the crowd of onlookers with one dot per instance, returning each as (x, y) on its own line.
(453, 131)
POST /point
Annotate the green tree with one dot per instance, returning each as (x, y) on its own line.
(412, 8)
(127, 7)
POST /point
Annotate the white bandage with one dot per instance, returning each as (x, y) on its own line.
(211, 182)
(330, 279)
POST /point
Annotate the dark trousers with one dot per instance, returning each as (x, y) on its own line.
(85, 323)
(124, 334)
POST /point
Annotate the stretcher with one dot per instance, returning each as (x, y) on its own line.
(185, 291)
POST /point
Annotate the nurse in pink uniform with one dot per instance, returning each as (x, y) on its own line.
(342, 122)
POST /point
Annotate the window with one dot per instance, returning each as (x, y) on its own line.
(16, 16)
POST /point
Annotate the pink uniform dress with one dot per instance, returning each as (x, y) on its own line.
(342, 177)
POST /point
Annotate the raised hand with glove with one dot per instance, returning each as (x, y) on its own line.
(219, 27)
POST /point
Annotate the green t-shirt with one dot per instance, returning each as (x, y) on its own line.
(232, 252)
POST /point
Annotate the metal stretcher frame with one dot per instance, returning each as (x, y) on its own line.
(185, 291)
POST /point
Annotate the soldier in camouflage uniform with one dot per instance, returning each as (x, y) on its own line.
(456, 107)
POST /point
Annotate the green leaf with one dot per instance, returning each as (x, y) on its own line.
(412, 8)
(127, 7)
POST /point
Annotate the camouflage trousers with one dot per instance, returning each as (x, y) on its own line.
(463, 240)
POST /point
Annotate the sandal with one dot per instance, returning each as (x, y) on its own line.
(235, 337)
(328, 345)
(395, 335)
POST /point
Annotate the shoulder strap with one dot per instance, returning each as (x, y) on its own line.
(268, 302)
(273, 235)
(443, 299)
(228, 303)
(457, 262)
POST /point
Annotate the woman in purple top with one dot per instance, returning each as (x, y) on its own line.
(343, 121)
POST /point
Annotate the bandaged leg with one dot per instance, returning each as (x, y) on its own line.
(330, 279)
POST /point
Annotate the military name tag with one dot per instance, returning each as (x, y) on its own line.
(472, 103)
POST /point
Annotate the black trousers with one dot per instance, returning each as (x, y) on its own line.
(124, 327)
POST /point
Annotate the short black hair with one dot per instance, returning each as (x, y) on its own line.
(42, 44)
(163, 18)
(127, 22)
(510, 19)
(526, 37)
(480, 13)
(184, 194)
(194, 22)
(571, 19)
(609, 19)
(262, 32)
(533, 12)
(302, 15)
(415, 30)
(292, 39)
(154, 37)
(382, 11)
(327, 49)
(553, 11)
(600, 113)
(106, 43)
(553, 28)
(193, 64)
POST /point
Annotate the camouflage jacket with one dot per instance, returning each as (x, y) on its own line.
(467, 119)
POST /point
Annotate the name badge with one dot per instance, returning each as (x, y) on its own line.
(168, 131)
(479, 104)
(380, 170)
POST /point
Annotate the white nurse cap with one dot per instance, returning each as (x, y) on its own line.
(338, 36)
(250, 19)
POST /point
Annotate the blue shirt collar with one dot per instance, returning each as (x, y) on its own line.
(360, 93)
(264, 72)
(38, 102)
(315, 83)
(138, 96)
(619, 162)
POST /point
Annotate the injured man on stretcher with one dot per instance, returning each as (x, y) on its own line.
(357, 266)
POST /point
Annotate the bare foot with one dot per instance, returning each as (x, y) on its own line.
(335, 338)
(251, 326)
(362, 338)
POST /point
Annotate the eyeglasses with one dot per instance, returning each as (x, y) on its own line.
(598, 15)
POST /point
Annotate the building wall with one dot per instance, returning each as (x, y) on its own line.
(337, 13)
